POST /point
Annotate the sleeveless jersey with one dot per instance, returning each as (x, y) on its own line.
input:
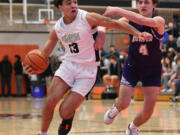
(77, 39)
(145, 54)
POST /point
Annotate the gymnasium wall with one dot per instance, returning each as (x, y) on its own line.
(11, 50)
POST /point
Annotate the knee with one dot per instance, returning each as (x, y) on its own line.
(64, 112)
(51, 102)
(105, 77)
(114, 78)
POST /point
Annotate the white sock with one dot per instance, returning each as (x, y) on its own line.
(43, 133)
(132, 126)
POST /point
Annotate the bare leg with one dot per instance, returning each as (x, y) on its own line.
(70, 104)
(67, 110)
(150, 97)
(123, 101)
(107, 80)
(114, 80)
(57, 90)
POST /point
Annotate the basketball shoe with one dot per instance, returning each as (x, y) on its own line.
(65, 126)
(132, 131)
(110, 115)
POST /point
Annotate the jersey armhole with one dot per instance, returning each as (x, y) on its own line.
(56, 26)
(84, 14)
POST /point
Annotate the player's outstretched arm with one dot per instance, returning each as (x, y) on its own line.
(156, 22)
(95, 20)
(49, 46)
(50, 43)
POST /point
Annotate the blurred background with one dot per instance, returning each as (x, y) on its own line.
(25, 25)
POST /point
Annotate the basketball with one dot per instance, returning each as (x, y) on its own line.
(36, 60)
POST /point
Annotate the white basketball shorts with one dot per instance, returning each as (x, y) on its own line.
(80, 78)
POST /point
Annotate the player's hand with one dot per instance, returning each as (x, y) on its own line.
(144, 36)
(100, 39)
(27, 69)
(110, 11)
(147, 36)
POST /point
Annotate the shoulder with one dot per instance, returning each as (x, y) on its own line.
(58, 23)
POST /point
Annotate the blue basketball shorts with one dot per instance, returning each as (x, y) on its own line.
(149, 77)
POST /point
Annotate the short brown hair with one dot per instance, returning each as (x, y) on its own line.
(154, 1)
(113, 57)
(57, 3)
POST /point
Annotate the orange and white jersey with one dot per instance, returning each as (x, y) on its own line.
(77, 39)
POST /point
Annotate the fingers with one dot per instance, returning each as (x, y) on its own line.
(145, 37)
(28, 69)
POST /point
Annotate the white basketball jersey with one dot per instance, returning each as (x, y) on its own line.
(77, 39)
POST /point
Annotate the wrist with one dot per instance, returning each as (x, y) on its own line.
(44, 54)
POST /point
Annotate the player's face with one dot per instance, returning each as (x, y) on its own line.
(145, 7)
(69, 8)
(167, 60)
(178, 63)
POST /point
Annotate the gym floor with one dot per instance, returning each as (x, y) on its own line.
(22, 116)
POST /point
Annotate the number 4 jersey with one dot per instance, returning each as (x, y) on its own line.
(77, 39)
(145, 54)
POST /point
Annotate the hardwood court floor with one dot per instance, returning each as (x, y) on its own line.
(22, 116)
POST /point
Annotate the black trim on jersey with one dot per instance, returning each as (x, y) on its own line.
(96, 51)
(95, 35)
(97, 55)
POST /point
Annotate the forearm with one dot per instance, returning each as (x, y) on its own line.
(48, 48)
(132, 16)
(98, 20)
(125, 27)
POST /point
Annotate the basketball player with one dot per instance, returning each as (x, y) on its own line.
(78, 69)
(143, 63)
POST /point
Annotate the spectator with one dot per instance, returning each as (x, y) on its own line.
(171, 53)
(178, 42)
(18, 74)
(176, 25)
(113, 51)
(103, 53)
(123, 57)
(172, 29)
(6, 71)
(174, 82)
(27, 81)
(164, 44)
(171, 42)
(167, 72)
(111, 79)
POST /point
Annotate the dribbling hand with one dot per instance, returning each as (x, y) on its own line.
(27, 69)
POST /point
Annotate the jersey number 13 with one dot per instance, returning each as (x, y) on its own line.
(74, 48)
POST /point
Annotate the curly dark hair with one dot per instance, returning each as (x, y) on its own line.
(57, 3)
(154, 1)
